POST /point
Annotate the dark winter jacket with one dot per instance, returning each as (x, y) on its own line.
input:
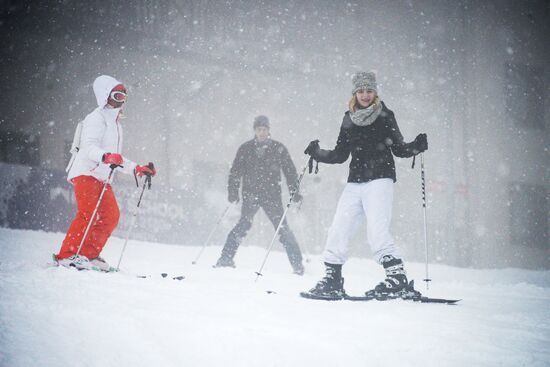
(371, 148)
(259, 165)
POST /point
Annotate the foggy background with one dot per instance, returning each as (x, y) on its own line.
(472, 75)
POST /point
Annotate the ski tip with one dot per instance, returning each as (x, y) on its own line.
(270, 292)
(451, 302)
(439, 300)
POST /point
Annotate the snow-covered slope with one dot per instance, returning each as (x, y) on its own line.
(221, 317)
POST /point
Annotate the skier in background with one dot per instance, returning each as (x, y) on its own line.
(100, 146)
(258, 165)
(369, 133)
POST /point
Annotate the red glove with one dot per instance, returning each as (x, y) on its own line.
(113, 158)
(145, 170)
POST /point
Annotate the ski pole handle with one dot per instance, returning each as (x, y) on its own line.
(152, 167)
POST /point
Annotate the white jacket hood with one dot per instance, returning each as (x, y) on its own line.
(103, 85)
(100, 133)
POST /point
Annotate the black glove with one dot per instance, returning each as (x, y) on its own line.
(313, 148)
(233, 196)
(297, 198)
(421, 143)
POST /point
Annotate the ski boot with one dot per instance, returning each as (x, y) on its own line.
(79, 262)
(395, 285)
(224, 262)
(102, 265)
(331, 287)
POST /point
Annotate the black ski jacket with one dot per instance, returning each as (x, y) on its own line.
(371, 148)
(259, 166)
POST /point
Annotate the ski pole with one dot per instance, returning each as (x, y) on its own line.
(297, 188)
(211, 233)
(113, 167)
(423, 179)
(146, 183)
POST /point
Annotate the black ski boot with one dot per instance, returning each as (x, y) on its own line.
(224, 262)
(395, 285)
(331, 287)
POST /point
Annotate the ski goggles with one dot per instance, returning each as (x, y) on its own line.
(118, 96)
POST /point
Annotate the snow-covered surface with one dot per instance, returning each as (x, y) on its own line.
(221, 317)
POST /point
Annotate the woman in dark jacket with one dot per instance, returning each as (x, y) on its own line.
(370, 134)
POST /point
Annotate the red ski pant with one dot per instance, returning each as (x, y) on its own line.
(87, 191)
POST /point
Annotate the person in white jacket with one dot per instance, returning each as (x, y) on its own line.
(91, 172)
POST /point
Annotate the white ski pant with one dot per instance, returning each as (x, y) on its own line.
(372, 200)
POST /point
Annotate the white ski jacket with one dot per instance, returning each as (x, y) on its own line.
(101, 133)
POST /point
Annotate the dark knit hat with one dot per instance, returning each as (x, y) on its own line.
(364, 80)
(261, 121)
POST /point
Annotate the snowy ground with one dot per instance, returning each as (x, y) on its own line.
(221, 317)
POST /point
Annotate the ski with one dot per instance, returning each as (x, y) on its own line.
(421, 299)
(93, 268)
(140, 276)
(439, 300)
(408, 294)
(323, 298)
(163, 275)
(113, 270)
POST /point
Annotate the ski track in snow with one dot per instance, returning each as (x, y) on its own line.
(53, 316)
